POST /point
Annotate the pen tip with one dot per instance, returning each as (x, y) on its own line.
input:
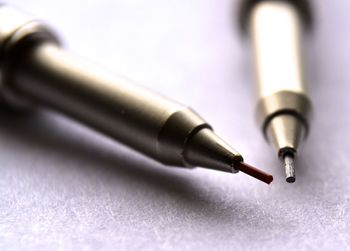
(289, 168)
(256, 173)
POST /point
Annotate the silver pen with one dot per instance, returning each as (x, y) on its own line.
(36, 71)
(275, 29)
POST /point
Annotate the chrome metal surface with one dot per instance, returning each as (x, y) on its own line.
(276, 29)
(37, 72)
(289, 168)
(285, 132)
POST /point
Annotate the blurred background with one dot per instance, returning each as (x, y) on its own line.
(65, 187)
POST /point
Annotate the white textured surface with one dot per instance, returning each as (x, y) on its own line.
(63, 187)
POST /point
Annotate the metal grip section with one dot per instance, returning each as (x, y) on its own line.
(176, 131)
(283, 102)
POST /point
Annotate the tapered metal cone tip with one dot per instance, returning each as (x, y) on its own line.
(206, 149)
(285, 131)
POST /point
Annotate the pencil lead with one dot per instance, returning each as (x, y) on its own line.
(256, 173)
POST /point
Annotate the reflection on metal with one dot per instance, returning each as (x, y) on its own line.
(275, 29)
(36, 71)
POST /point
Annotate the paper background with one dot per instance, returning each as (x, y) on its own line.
(65, 187)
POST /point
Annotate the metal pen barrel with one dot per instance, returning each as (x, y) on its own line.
(35, 71)
(49, 76)
(275, 29)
